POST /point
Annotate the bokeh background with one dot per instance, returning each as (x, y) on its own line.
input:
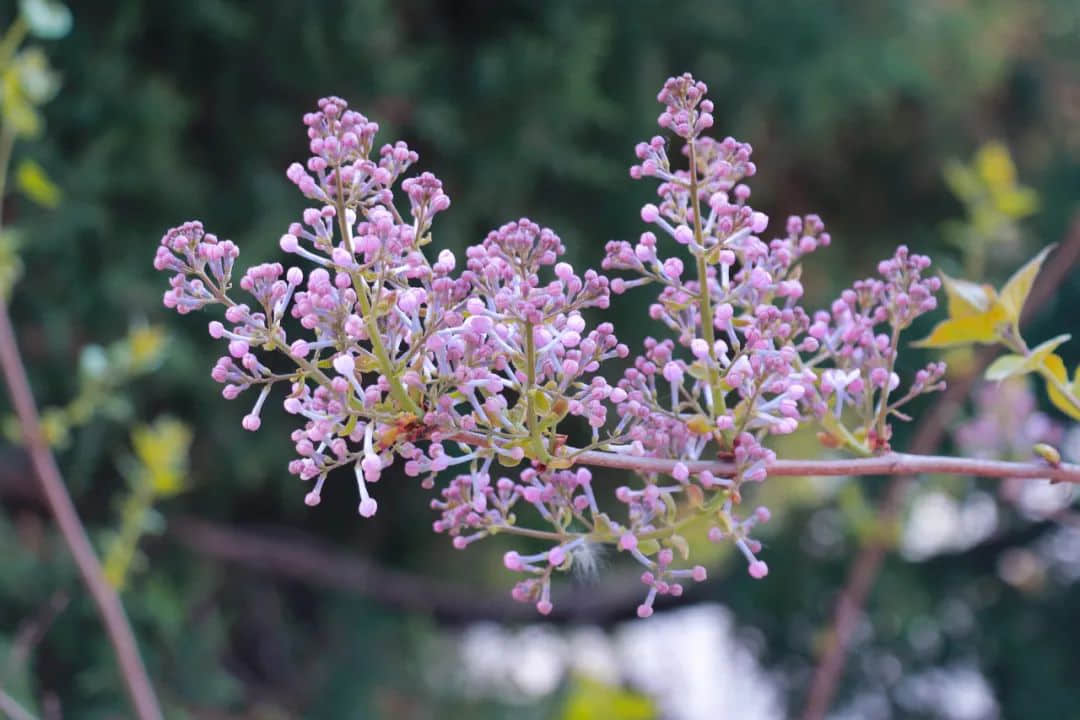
(248, 604)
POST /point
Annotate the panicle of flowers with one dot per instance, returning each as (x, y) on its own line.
(467, 369)
(859, 338)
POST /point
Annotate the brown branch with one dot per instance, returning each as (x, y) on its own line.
(317, 563)
(30, 633)
(108, 602)
(887, 464)
(867, 564)
(891, 463)
(12, 708)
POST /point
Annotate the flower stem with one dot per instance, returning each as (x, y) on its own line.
(704, 293)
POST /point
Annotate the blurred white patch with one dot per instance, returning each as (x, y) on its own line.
(938, 523)
(955, 693)
(690, 661)
(1040, 499)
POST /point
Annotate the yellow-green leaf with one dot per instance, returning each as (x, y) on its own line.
(961, 180)
(592, 700)
(995, 165)
(1009, 365)
(649, 547)
(966, 298)
(36, 185)
(1054, 369)
(1017, 203)
(1015, 293)
(681, 545)
(1006, 366)
(1049, 453)
(541, 401)
(1041, 351)
(981, 328)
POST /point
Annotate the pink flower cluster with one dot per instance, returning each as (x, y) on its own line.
(472, 370)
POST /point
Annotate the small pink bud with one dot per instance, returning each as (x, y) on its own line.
(251, 422)
(345, 364)
(672, 372)
(758, 569)
(289, 243)
(758, 222)
(238, 348)
(512, 561)
(372, 466)
(699, 573)
(628, 541)
(368, 507)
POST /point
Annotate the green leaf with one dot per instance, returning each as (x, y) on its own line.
(1016, 290)
(541, 401)
(649, 547)
(36, 185)
(962, 181)
(681, 545)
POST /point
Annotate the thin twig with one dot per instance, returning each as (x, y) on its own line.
(108, 602)
(891, 463)
(12, 708)
(887, 464)
(867, 564)
(31, 631)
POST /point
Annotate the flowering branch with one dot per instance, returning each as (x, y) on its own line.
(478, 369)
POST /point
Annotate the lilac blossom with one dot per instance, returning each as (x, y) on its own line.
(466, 367)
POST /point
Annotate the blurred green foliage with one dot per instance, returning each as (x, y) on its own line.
(172, 111)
